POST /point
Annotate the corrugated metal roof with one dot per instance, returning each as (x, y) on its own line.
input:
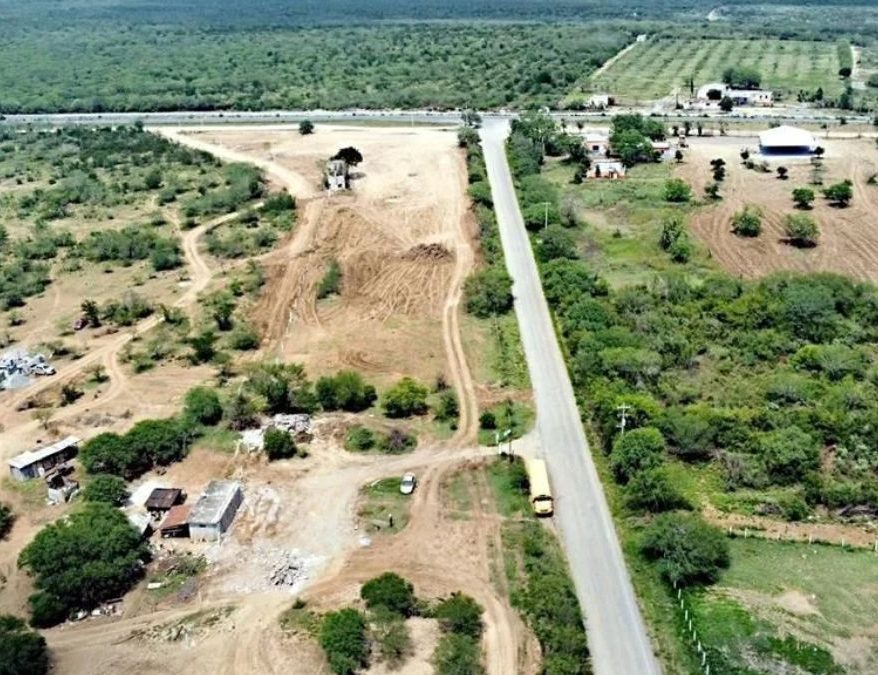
(177, 516)
(212, 504)
(787, 137)
(32, 456)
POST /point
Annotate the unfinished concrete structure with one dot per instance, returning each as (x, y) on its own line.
(41, 461)
(336, 176)
(215, 510)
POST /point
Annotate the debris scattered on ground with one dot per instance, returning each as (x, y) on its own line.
(17, 366)
(428, 252)
(299, 425)
(270, 568)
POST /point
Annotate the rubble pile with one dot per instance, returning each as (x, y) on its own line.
(289, 572)
(299, 425)
(18, 366)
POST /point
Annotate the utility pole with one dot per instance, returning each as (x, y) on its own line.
(623, 417)
(545, 215)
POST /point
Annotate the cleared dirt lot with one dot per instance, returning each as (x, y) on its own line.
(848, 241)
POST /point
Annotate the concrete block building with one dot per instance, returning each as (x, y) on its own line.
(215, 510)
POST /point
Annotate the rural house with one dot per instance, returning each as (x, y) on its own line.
(597, 144)
(709, 95)
(39, 462)
(607, 168)
(336, 176)
(215, 510)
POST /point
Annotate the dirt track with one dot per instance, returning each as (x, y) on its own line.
(398, 314)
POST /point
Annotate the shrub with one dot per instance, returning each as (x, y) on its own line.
(681, 250)
(803, 197)
(789, 454)
(447, 408)
(396, 441)
(346, 390)
(106, 488)
(555, 242)
(278, 444)
(460, 614)
(685, 548)
(330, 284)
(488, 420)
(651, 490)
(244, 337)
(306, 127)
(391, 634)
(677, 191)
(458, 654)
(343, 639)
(747, 223)
(359, 439)
(6, 519)
(202, 405)
(636, 451)
(672, 228)
(90, 556)
(405, 398)
(840, 194)
(488, 292)
(801, 230)
(22, 651)
(391, 592)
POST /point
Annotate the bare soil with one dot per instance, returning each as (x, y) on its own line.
(848, 241)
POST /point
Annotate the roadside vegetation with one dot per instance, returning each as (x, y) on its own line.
(735, 392)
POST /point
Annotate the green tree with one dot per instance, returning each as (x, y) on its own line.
(390, 632)
(789, 454)
(782, 172)
(801, 230)
(803, 197)
(283, 387)
(90, 556)
(633, 147)
(460, 614)
(555, 242)
(306, 127)
(747, 223)
(343, 639)
(91, 312)
(106, 488)
(202, 405)
(726, 104)
(677, 191)
(488, 292)
(840, 194)
(458, 654)
(742, 77)
(222, 306)
(391, 592)
(203, 346)
(652, 491)
(685, 549)
(153, 179)
(330, 284)
(22, 651)
(346, 390)
(635, 451)
(405, 398)
(350, 155)
(447, 408)
(110, 453)
(278, 444)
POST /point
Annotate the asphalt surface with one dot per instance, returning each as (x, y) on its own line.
(617, 635)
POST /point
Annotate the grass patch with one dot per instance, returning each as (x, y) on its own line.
(217, 438)
(458, 494)
(506, 479)
(509, 415)
(505, 355)
(174, 574)
(32, 492)
(379, 501)
(300, 619)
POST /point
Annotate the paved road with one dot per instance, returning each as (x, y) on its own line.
(616, 632)
(211, 117)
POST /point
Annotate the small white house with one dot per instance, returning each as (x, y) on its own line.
(599, 101)
(710, 95)
(597, 144)
(663, 149)
(215, 510)
(336, 175)
(787, 140)
(607, 168)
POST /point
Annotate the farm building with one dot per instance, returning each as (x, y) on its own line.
(597, 144)
(215, 510)
(785, 140)
(162, 499)
(709, 95)
(176, 523)
(607, 168)
(337, 176)
(599, 101)
(42, 460)
(663, 149)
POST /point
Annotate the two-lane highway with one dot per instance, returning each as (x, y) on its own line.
(617, 635)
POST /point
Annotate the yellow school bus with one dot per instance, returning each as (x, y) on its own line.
(540, 490)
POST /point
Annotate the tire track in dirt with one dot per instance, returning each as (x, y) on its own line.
(108, 355)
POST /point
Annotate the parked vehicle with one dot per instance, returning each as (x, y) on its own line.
(408, 483)
(540, 491)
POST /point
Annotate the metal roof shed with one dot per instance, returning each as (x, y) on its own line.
(786, 140)
(215, 510)
(37, 462)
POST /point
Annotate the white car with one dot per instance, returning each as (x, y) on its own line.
(408, 483)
